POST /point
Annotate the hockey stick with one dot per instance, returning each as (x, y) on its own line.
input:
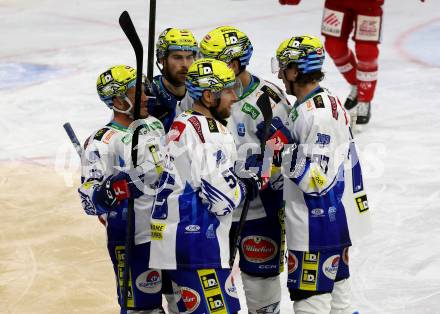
(263, 104)
(127, 26)
(72, 136)
(151, 34)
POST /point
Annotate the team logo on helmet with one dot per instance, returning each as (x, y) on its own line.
(226, 43)
(115, 82)
(305, 51)
(174, 39)
(208, 74)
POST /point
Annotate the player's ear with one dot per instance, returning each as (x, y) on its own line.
(208, 97)
(235, 66)
(118, 103)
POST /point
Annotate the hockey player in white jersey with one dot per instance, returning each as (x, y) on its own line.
(198, 192)
(326, 202)
(176, 50)
(106, 187)
(262, 239)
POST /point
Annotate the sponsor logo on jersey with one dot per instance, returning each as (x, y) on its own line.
(157, 230)
(241, 129)
(308, 278)
(362, 203)
(209, 281)
(330, 266)
(108, 136)
(156, 125)
(319, 102)
(334, 107)
(98, 135)
(309, 105)
(293, 114)
(310, 258)
(317, 179)
(212, 125)
(317, 212)
(192, 228)
(323, 139)
(332, 214)
(175, 131)
(332, 22)
(271, 93)
(309, 272)
(292, 263)
(250, 110)
(230, 288)
(211, 290)
(270, 309)
(191, 298)
(198, 127)
(368, 28)
(210, 233)
(220, 158)
(216, 303)
(345, 257)
(149, 281)
(257, 249)
(267, 266)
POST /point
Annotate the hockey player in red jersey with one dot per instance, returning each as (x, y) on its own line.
(359, 67)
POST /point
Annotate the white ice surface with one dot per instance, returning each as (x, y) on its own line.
(397, 270)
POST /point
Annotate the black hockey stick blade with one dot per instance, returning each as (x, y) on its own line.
(72, 136)
(263, 103)
(130, 31)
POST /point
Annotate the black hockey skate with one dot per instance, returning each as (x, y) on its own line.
(363, 112)
(351, 100)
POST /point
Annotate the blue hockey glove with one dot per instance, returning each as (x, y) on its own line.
(116, 188)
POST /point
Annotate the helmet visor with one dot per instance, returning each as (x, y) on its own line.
(275, 65)
(235, 87)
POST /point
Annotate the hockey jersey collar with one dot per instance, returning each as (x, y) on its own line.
(253, 84)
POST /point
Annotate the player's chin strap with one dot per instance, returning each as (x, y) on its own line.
(128, 110)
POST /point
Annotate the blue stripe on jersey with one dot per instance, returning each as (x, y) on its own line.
(196, 241)
(328, 226)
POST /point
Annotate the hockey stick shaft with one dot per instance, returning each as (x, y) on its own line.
(263, 104)
(151, 34)
(72, 136)
(128, 27)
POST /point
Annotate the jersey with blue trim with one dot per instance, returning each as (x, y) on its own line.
(107, 152)
(245, 116)
(326, 201)
(167, 106)
(197, 194)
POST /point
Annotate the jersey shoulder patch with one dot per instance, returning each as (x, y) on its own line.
(271, 93)
(100, 134)
(319, 102)
(198, 127)
(212, 125)
(176, 131)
